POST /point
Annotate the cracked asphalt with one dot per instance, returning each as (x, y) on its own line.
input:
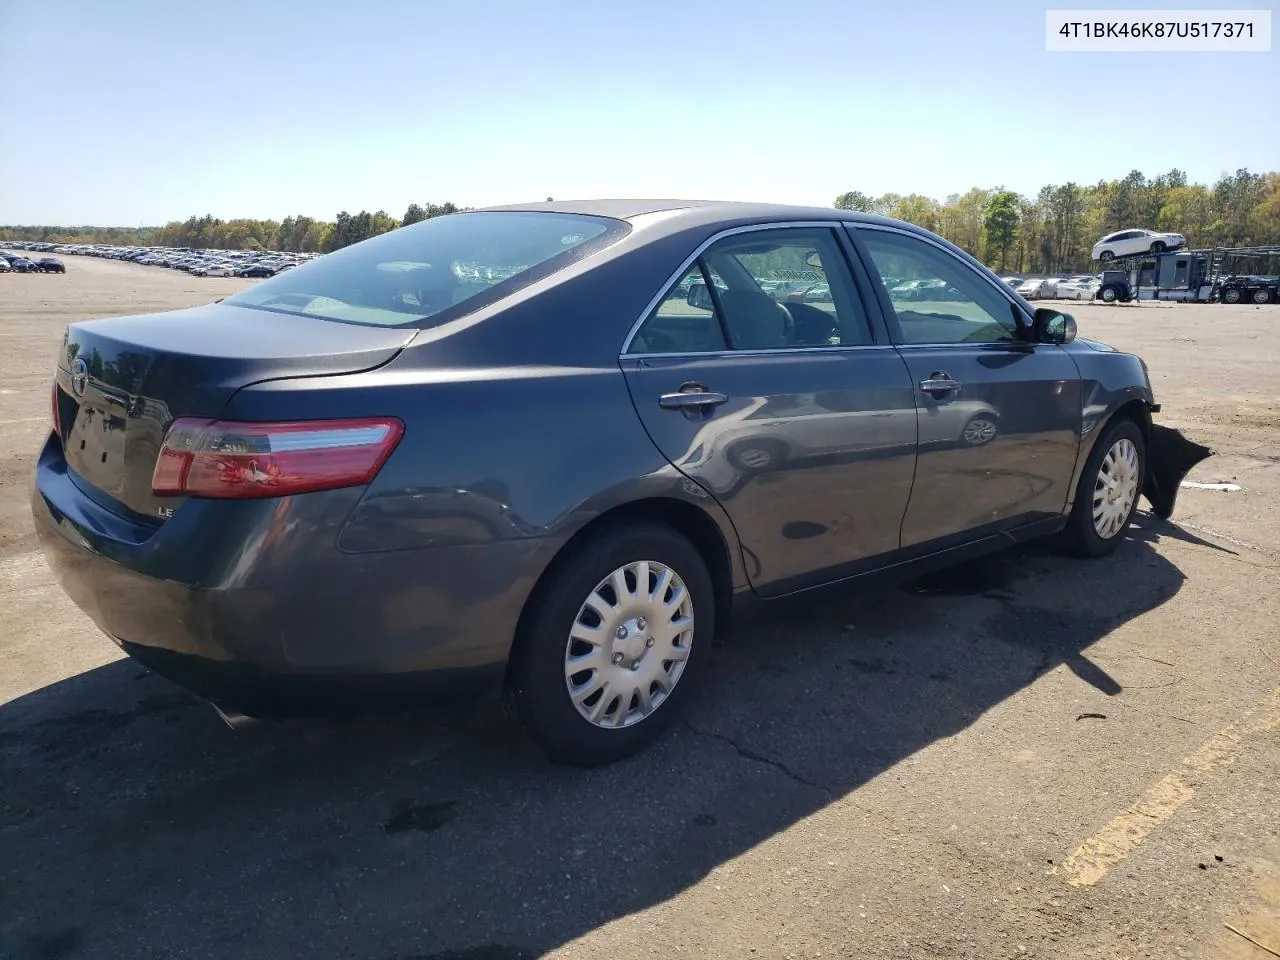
(910, 772)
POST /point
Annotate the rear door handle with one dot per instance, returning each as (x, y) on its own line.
(691, 395)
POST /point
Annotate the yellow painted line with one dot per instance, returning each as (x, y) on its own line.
(1119, 838)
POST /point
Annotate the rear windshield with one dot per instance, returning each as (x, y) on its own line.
(434, 270)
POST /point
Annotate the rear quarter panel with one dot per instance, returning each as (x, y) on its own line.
(524, 452)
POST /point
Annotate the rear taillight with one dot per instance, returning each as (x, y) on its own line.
(228, 460)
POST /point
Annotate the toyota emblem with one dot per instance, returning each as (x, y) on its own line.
(79, 376)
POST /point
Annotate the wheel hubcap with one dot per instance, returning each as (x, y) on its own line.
(1115, 489)
(979, 431)
(629, 644)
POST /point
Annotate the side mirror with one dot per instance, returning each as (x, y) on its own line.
(699, 296)
(1051, 326)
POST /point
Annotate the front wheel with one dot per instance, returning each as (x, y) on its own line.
(1106, 256)
(1158, 247)
(1107, 495)
(611, 650)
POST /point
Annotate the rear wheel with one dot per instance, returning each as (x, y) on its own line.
(1108, 294)
(610, 652)
(1230, 295)
(1261, 296)
(1106, 256)
(1107, 496)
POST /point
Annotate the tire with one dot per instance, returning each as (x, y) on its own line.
(1261, 296)
(1158, 247)
(539, 681)
(1109, 294)
(1082, 536)
(1230, 295)
(1106, 256)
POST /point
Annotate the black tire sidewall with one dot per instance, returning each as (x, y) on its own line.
(538, 684)
(1082, 533)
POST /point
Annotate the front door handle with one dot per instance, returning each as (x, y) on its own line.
(691, 395)
(939, 384)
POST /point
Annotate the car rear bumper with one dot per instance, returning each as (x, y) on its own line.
(252, 605)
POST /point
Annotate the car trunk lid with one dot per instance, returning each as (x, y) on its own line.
(122, 381)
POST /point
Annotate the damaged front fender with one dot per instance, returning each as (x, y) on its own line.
(1170, 457)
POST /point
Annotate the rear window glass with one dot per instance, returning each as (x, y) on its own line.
(434, 270)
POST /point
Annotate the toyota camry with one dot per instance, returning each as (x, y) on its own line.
(547, 450)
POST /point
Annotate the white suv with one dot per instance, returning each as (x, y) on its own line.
(1128, 243)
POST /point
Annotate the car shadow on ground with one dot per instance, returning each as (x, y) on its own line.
(134, 823)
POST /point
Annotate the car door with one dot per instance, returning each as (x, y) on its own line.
(1130, 242)
(795, 414)
(999, 416)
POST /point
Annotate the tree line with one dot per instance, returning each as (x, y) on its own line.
(1055, 230)
(1050, 232)
(300, 234)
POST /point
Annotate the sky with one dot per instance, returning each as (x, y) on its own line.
(124, 112)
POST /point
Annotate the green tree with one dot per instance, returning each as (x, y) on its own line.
(1064, 207)
(918, 209)
(414, 214)
(854, 200)
(1001, 222)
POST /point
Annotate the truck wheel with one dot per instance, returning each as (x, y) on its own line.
(1108, 294)
(1261, 296)
(1230, 295)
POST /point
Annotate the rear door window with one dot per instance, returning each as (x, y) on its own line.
(770, 289)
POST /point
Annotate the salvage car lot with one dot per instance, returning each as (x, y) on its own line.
(901, 773)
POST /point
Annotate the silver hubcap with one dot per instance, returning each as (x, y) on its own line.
(629, 644)
(1260, 296)
(979, 431)
(1115, 489)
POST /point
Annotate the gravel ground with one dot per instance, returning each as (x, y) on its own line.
(961, 767)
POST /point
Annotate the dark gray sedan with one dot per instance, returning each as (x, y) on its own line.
(549, 449)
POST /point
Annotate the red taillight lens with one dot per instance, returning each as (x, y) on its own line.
(223, 459)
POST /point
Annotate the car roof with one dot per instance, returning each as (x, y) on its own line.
(686, 213)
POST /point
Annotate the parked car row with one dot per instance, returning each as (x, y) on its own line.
(199, 263)
(16, 263)
(1074, 287)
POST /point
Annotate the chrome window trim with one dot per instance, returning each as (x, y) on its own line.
(770, 352)
(675, 278)
(1002, 288)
